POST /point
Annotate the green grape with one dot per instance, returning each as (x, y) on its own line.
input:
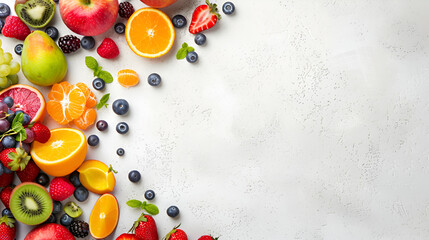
(7, 57)
(4, 70)
(14, 68)
(1, 59)
(1, 43)
(3, 82)
(13, 79)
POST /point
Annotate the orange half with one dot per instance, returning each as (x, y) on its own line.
(96, 176)
(104, 216)
(149, 33)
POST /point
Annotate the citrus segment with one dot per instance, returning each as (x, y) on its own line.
(91, 101)
(149, 33)
(89, 95)
(27, 99)
(96, 176)
(104, 216)
(86, 119)
(62, 154)
(128, 78)
(66, 102)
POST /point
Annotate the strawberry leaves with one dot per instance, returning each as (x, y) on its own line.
(152, 209)
(181, 54)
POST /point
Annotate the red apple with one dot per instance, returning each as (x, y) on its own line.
(50, 231)
(89, 17)
(158, 3)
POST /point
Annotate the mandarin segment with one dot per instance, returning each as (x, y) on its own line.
(86, 119)
(91, 100)
(128, 78)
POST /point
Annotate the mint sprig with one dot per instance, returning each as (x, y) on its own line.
(152, 209)
(103, 101)
(92, 64)
(181, 54)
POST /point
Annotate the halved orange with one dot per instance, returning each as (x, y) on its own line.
(128, 78)
(104, 216)
(27, 99)
(66, 102)
(62, 154)
(96, 176)
(86, 119)
(149, 33)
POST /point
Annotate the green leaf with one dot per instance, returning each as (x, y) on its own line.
(184, 45)
(31, 124)
(17, 121)
(106, 76)
(91, 63)
(21, 136)
(134, 203)
(103, 101)
(181, 54)
(190, 49)
(97, 71)
(17, 128)
(151, 209)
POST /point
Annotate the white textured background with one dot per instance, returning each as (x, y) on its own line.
(302, 120)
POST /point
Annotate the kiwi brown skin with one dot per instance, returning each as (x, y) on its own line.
(38, 185)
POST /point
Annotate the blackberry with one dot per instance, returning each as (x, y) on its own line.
(69, 43)
(79, 229)
(126, 9)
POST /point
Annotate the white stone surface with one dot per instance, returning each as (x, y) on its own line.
(301, 120)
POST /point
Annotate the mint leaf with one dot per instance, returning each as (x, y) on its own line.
(181, 54)
(190, 49)
(134, 203)
(22, 135)
(106, 76)
(103, 101)
(31, 124)
(97, 71)
(17, 121)
(151, 209)
(91, 63)
(184, 45)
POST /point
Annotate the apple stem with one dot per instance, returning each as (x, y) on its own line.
(86, 2)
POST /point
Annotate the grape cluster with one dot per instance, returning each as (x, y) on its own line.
(8, 69)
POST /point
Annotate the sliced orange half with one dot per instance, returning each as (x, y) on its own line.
(104, 216)
(149, 33)
(62, 154)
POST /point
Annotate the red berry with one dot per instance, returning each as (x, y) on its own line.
(41, 132)
(126, 9)
(14, 158)
(204, 17)
(207, 237)
(60, 189)
(147, 230)
(15, 28)
(108, 49)
(29, 173)
(7, 228)
(6, 179)
(177, 234)
(5, 195)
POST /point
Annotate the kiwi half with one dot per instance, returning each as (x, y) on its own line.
(36, 13)
(72, 209)
(30, 203)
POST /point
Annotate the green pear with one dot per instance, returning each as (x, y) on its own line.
(42, 62)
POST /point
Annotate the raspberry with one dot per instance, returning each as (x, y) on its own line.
(79, 229)
(60, 189)
(41, 132)
(69, 43)
(15, 28)
(126, 9)
(108, 49)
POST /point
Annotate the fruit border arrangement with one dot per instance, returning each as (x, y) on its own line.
(33, 152)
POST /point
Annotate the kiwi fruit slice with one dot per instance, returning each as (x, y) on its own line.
(30, 203)
(72, 209)
(36, 13)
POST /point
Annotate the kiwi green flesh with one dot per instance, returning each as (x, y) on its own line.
(36, 13)
(72, 209)
(31, 204)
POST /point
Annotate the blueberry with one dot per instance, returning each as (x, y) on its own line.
(10, 115)
(200, 39)
(120, 106)
(81, 193)
(7, 212)
(18, 49)
(122, 128)
(98, 84)
(74, 178)
(6, 170)
(58, 207)
(179, 21)
(9, 101)
(23, 145)
(228, 8)
(42, 179)
(154, 79)
(120, 152)
(87, 43)
(191, 57)
(173, 211)
(4, 10)
(66, 220)
(26, 119)
(8, 142)
(149, 194)
(51, 219)
(134, 176)
(120, 28)
(102, 125)
(93, 140)
(1, 24)
(52, 32)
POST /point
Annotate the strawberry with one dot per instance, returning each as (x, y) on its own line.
(145, 228)
(7, 228)
(6, 179)
(108, 49)
(15, 28)
(29, 173)
(5, 195)
(41, 132)
(16, 159)
(176, 234)
(204, 17)
(208, 237)
(127, 236)
(60, 189)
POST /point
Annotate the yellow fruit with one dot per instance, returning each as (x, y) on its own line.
(96, 176)
(62, 154)
(104, 216)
